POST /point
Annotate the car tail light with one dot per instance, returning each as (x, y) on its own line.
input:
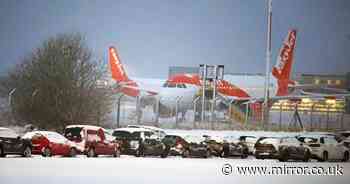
(315, 145)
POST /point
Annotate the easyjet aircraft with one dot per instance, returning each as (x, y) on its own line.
(251, 87)
(150, 90)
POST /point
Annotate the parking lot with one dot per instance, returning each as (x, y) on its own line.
(129, 169)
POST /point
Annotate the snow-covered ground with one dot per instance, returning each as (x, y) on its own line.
(129, 169)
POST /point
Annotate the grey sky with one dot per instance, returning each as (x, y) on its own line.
(154, 34)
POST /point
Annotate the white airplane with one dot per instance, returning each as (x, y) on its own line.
(251, 87)
(149, 91)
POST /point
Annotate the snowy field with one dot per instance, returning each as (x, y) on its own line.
(129, 169)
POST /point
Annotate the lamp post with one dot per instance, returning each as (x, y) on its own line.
(265, 114)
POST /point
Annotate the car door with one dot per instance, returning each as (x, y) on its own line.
(332, 148)
(15, 142)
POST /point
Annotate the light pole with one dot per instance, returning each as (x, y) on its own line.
(177, 109)
(118, 110)
(265, 115)
(195, 110)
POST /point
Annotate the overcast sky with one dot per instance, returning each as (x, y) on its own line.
(155, 34)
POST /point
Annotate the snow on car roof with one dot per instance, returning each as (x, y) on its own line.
(131, 130)
(146, 127)
(52, 136)
(92, 127)
(194, 139)
(3, 128)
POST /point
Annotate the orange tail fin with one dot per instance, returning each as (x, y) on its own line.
(282, 70)
(117, 69)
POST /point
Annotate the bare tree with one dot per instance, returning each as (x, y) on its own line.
(56, 85)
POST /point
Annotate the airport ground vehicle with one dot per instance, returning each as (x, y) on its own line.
(249, 141)
(92, 140)
(49, 143)
(325, 147)
(12, 143)
(195, 146)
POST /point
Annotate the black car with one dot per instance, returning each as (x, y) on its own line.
(234, 149)
(152, 147)
(12, 143)
(196, 147)
(140, 142)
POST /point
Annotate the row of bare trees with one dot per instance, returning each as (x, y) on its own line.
(56, 85)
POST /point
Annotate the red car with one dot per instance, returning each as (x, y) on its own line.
(92, 139)
(49, 143)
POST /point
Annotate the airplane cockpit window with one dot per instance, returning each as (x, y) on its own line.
(181, 86)
(172, 85)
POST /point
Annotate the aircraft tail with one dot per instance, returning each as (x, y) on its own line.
(117, 69)
(282, 70)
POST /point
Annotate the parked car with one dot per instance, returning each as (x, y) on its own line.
(325, 147)
(92, 140)
(266, 147)
(49, 143)
(12, 143)
(292, 148)
(215, 145)
(196, 147)
(282, 148)
(248, 141)
(130, 139)
(233, 147)
(152, 146)
(175, 144)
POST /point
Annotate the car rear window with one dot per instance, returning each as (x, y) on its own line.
(121, 134)
(73, 133)
(269, 141)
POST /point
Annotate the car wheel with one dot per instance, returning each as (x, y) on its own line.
(116, 152)
(207, 154)
(139, 153)
(283, 157)
(2, 154)
(27, 152)
(73, 152)
(306, 156)
(324, 156)
(245, 154)
(346, 156)
(47, 152)
(164, 154)
(91, 153)
(186, 153)
(222, 154)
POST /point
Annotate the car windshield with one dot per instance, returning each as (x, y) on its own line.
(73, 133)
(308, 139)
(119, 134)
